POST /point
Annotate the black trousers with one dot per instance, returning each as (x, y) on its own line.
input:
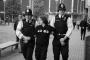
(41, 52)
(57, 49)
(83, 33)
(27, 50)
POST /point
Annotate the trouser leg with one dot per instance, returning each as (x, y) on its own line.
(84, 33)
(40, 53)
(64, 52)
(24, 49)
(81, 33)
(27, 50)
(43, 53)
(56, 52)
(56, 47)
(37, 53)
(29, 53)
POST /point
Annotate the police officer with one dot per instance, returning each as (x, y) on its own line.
(25, 32)
(83, 25)
(43, 31)
(63, 27)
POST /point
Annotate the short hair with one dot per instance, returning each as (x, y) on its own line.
(44, 19)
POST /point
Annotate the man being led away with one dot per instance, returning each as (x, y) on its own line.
(43, 31)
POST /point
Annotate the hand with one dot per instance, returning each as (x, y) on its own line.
(62, 41)
(26, 39)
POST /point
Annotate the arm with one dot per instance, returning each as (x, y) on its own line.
(18, 30)
(70, 27)
(52, 20)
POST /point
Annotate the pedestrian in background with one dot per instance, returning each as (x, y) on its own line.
(83, 25)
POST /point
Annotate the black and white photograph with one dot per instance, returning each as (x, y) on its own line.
(44, 29)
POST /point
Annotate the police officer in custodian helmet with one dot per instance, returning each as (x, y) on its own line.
(25, 32)
(63, 27)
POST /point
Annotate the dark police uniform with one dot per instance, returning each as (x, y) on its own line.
(26, 29)
(83, 26)
(61, 29)
(27, 48)
(42, 41)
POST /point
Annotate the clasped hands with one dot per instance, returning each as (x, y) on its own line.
(62, 41)
(26, 39)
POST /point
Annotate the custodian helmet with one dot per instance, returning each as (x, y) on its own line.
(61, 7)
(28, 12)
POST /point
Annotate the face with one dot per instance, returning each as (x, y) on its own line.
(28, 18)
(40, 22)
(61, 12)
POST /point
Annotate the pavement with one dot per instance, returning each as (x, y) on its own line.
(76, 46)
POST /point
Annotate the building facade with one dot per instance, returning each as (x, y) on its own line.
(43, 5)
(78, 5)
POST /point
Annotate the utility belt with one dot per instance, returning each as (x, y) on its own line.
(29, 41)
(83, 27)
(59, 35)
